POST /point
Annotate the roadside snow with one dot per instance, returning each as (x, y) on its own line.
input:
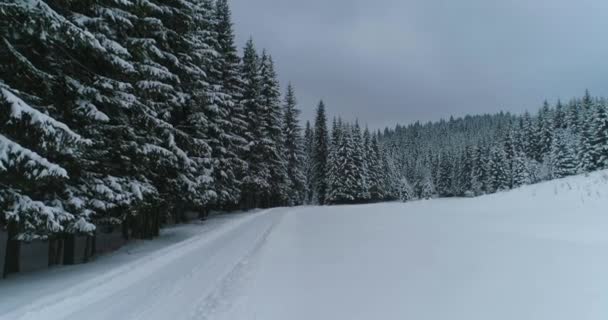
(540, 252)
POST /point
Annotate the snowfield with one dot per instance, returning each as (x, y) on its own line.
(539, 252)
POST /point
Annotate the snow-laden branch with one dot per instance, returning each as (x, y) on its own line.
(50, 126)
(12, 154)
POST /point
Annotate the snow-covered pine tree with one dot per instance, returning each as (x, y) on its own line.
(273, 141)
(367, 153)
(308, 162)
(359, 167)
(391, 176)
(294, 148)
(233, 144)
(99, 90)
(585, 151)
(444, 182)
(599, 136)
(521, 170)
(545, 130)
(66, 73)
(529, 137)
(36, 200)
(319, 155)
(498, 179)
(428, 188)
(336, 175)
(407, 192)
(376, 176)
(563, 154)
(256, 182)
(559, 116)
(465, 173)
(479, 173)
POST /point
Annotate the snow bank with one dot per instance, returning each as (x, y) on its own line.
(538, 252)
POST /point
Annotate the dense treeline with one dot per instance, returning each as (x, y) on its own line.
(347, 165)
(478, 155)
(131, 113)
(469, 156)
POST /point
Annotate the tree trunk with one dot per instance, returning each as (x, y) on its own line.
(69, 250)
(87, 249)
(94, 244)
(13, 249)
(125, 227)
(55, 251)
(157, 222)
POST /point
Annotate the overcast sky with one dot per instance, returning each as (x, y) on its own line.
(398, 61)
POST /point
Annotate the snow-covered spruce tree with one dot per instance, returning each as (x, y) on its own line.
(407, 192)
(256, 182)
(479, 172)
(335, 177)
(211, 118)
(466, 172)
(520, 170)
(511, 146)
(168, 43)
(444, 182)
(100, 93)
(232, 143)
(586, 148)
(273, 142)
(294, 148)
(36, 200)
(319, 155)
(359, 166)
(308, 162)
(559, 116)
(563, 154)
(529, 137)
(390, 177)
(498, 179)
(599, 136)
(376, 176)
(428, 188)
(51, 65)
(545, 130)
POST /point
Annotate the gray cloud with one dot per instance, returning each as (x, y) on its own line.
(398, 61)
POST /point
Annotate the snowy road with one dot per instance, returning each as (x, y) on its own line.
(540, 252)
(172, 283)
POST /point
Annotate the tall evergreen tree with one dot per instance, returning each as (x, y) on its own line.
(563, 154)
(376, 176)
(336, 176)
(599, 136)
(358, 157)
(308, 162)
(498, 179)
(320, 153)
(273, 139)
(233, 141)
(256, 183)
(294, 148)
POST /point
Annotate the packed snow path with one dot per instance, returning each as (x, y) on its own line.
(169, 283)
(540, 252)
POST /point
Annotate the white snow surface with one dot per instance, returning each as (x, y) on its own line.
(538, 252)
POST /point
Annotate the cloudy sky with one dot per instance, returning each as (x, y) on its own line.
(398, 61)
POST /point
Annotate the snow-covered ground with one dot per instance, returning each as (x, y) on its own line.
(539, 252)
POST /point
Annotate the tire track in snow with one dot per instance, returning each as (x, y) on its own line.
(226, 296)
